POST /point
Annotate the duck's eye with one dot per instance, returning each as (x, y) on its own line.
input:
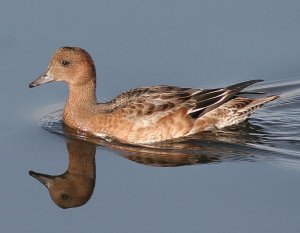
(65, 62)
(64, 196)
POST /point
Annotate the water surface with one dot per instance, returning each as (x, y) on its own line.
(242, 179)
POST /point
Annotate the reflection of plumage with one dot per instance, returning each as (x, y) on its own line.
(74, 187)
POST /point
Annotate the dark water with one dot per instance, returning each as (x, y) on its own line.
(242, 179)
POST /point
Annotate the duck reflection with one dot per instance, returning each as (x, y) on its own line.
(74, 187)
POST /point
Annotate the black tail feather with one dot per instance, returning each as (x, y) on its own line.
(210, 99)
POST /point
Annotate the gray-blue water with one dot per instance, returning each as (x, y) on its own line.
(242, 179)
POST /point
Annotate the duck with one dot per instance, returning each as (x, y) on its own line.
(148, 114)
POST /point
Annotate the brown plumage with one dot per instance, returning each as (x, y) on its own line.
(147, 114)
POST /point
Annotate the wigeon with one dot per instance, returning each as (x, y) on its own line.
(147, 114)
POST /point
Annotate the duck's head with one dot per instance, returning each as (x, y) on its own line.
(72, 65)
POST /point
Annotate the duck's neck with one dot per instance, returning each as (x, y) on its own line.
(80, 104)
(81, 96)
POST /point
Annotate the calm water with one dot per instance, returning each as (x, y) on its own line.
(242, 179)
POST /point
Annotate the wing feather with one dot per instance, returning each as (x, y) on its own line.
(148, 104)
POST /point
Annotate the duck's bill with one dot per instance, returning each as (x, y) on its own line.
(43, 178)
(44, 78)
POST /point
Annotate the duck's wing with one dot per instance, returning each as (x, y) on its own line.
(149, 104)
(209, 99)
(152, 103)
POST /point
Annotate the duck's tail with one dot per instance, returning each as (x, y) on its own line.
(239, 109)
